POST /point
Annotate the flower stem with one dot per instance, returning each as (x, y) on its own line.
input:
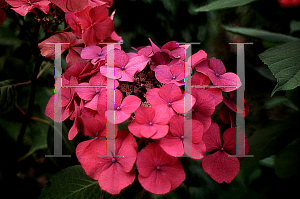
(38, 62)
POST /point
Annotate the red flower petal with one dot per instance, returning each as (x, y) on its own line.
(75, 71)
(153, 97)
(221, 167)
(76, 5)
(163, 74)
(229, 141)
(88, 153)
(158, 172)
(144, 115)
(177, 126)
(217, 94)
(129, 157)
(104, 28)
(147, 131)
(85, 91)
(197, 58)
(205, 102)
(217, 66)
(154, 47)
(91, 126)
(227, 115)
(118, 98)
(119, 116)
(138, 62)
(121, 58)
(206, 121)
(156, 183)
(198, 150)
(130, 104)
(113, 73)
(91, 52)
(170, 93)
(114, 179)
(200, 80)
(161, 58)
(134, 128)
(179, 105)
(2, 16)
(74, 22)
(212, 138)
(174, 170)
(70, 5)
(172, 145)
(161, 115)
(230, 80)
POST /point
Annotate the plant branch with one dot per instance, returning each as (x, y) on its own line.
(17, 84)
(39, 59)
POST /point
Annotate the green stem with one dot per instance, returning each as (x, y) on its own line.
(39, 60)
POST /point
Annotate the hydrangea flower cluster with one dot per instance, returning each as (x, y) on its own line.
(149, 95)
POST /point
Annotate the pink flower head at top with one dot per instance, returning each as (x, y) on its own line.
(22, 7)
(218, 165)
(159, 172)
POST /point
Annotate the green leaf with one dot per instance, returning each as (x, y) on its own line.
(283, 62)
(8, 37)
(277, 101)
(294, 26)
(271, 138)
(36, 137)
(223, 4)
(72, 183)
(287, 162)
(265, 71)
(8, 96)
(261, 34)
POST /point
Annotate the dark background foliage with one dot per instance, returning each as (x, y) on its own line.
(271, 124)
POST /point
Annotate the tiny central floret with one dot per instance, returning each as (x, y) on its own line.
(169, 104)
(118, 108)
(150, 123)
(113, 160)
(158, 167)
(69, 100)
(182, 137)
(123, 68)
(97, 91)
(174, 77)
(217, 74)
(222, 149)
(99, 54)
